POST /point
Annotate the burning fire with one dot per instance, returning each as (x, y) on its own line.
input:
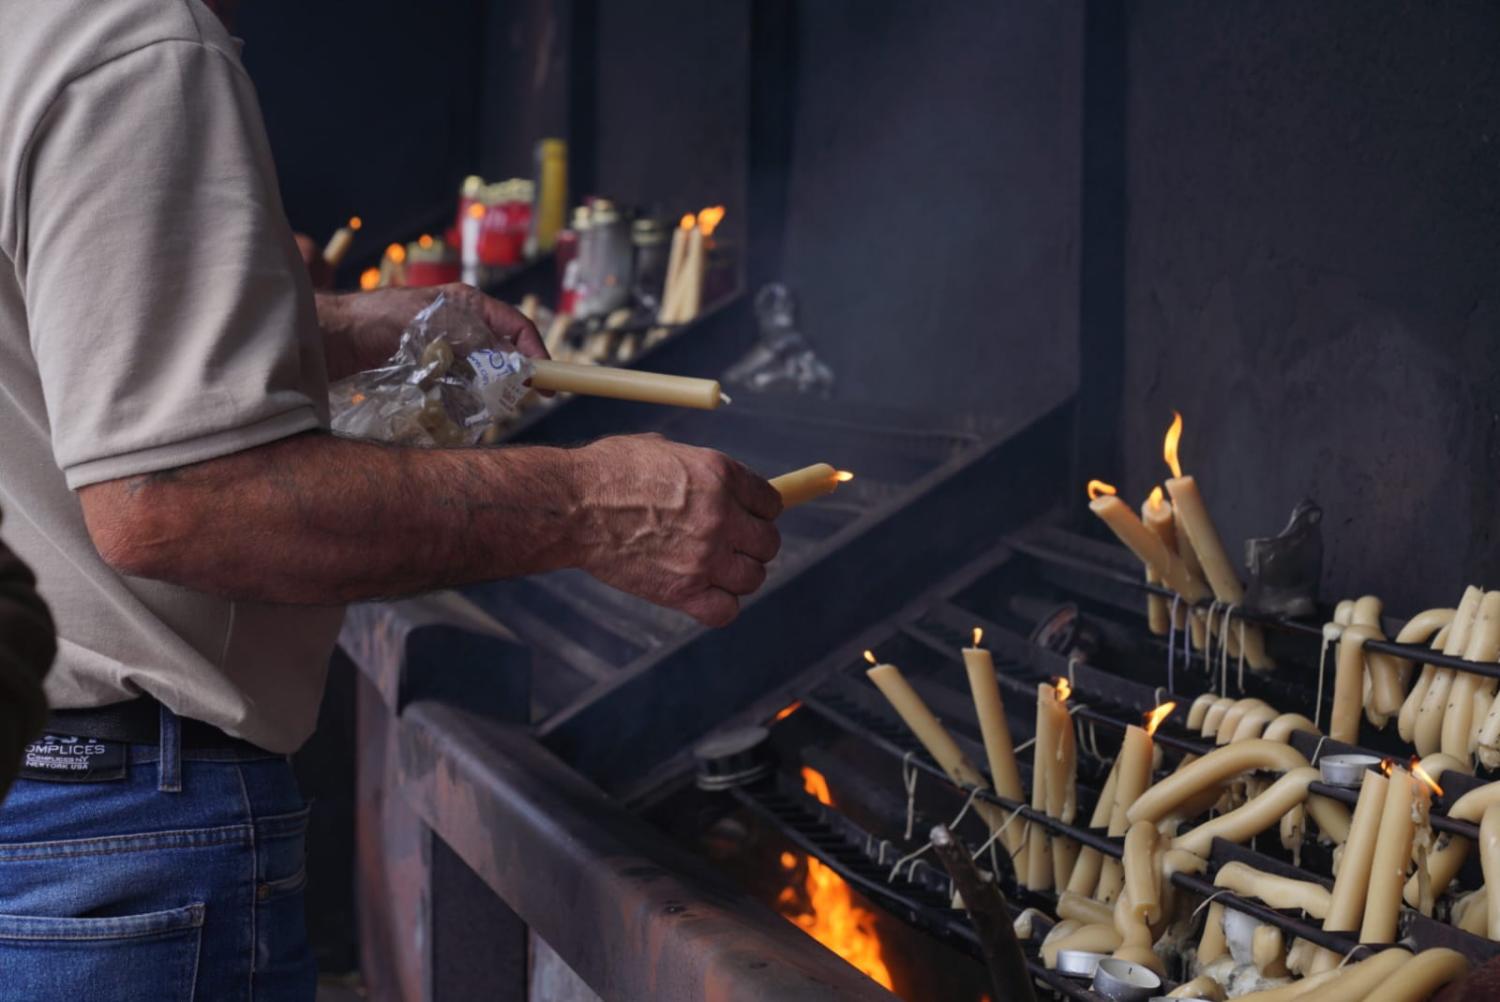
(1156, 716)
(355, 222)
(843, 476)
(709, 219)
(1156, 501)
(823, 906)
(1169, 444)
(870, 657)
(978, 635)
(1424, 776)
(396, 252)
(787, 711)
(1386, 765)
(369, 279)
(688, 222)
(1097, 488)
(476, 210)
(1064, 689)
(424, 241)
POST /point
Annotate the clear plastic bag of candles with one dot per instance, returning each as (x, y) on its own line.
(448, 384)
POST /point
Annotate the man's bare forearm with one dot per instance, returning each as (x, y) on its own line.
(318, 519)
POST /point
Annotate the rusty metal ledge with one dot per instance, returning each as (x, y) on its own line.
(635, 917)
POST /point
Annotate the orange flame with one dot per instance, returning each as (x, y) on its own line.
(1386, 765)
(1169, 444)
(870, 657)
(1424, 776)
(1064, 689)
(369, 279)
(424, 241)
(476, 210)
(396, 252)
(709, 219)
(1156, 502)
(355, 222)
(978, 635)
(688, 222)
(1098, 488)
(843, 476)
(787, 710)
(1156, 716)
(824, 907)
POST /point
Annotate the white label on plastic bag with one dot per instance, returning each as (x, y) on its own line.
(500, 379)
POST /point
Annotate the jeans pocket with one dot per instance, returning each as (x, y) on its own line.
(148, 956)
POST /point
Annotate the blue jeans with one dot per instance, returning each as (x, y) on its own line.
(180, 880)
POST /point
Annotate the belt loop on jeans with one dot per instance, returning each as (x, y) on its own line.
(171, 753)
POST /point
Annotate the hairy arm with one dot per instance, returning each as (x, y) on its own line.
(316, 519)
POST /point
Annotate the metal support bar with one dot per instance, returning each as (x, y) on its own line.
(632, 916)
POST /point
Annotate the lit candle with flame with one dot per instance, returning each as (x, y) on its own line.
(1346, 906)
(998, 746)
(801, 486)
(369, 279)
(1192, 515)
(1157, 515)
(338, 244)
(1133, 765)
(469, 242)
(1145, 544)
(1407, 799)
(1057, 758)
(934, 737)
(672, 290)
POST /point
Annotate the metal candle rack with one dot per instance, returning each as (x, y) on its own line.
(841, 701)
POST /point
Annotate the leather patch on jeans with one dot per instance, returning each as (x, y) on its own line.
(61, 758)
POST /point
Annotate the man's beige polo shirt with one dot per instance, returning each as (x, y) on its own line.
(153, 313)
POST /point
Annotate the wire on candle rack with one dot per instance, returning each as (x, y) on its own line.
(912, 857)
(909, 781)
(989, 843)
(1172, 640)
(1328, 637)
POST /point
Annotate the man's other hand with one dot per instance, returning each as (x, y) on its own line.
(361, 329)
(687, 528)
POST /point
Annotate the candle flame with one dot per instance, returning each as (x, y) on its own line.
(688, 222)
(1097, 488)
(843, 476)
(1169, 444)
(870, 656)
(1156, 716)
(1386, 765)
(1064, 689)
(787, 711)
(1424, 776)
(709, 219)
(978, 635)
(424, 241)
(476, 210)
(1155, 501)
(355, 222)
(369, 279)
(396, 252)
(823, 904)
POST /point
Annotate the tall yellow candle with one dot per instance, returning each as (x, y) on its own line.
(1349, 684)
(626, 384)
(1133, 765)
(1062, 770)
(1346, 906)
(1156, 514)
(1392, 853)
(802, 486)
(998, 746)
(1039, 875)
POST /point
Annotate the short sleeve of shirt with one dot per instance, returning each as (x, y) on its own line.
(169, 314)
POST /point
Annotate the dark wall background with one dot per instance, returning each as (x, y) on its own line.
(1313, 251)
